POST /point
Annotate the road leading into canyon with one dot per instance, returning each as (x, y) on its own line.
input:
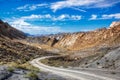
(67, 73)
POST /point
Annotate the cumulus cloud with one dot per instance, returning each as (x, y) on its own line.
(29, 7)
(93, 17)
(83, 4)
(26, 27)
(22, 24)
(76, 17)
(61, 17)
(110, 16)
(105, 16)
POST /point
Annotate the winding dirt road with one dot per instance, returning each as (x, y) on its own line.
(73, 74)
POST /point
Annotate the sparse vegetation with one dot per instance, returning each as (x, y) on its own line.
(57, 62)
(10, 69)
(32, 75)
(53, 79)
(106, 60)
(25, 66)
(86, 63)
(19, 52)
(97, 63)
(113, 72)
(66, 61)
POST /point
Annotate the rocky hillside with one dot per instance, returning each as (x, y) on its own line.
(83, 40)
(7, 31)
(14, 50)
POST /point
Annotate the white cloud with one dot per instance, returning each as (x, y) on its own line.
(83, 3)
(93, 17)
(22, 24)
(110, 16)
(79, 5)
(78, 9)
(61, 17)
(33, 16)
(105, 16)
(105, 3)
(70, 3)
(29, 7)
(76, 17)
(26, 27)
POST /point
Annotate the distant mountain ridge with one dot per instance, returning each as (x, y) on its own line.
(8, 31)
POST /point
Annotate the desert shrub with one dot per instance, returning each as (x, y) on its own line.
(86, 63)
(107, 60)
(32, 75)
(30, 67)
(113, 72)
(97, 63)
(53, 79)
(86, 67)
(10, 69)
(25, 66)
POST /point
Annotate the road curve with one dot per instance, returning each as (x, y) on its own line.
(77, 75)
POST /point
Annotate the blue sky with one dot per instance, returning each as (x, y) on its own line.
(54, 16)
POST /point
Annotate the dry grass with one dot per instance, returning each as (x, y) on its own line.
(32, 75)
(25, 66)
(57, 62)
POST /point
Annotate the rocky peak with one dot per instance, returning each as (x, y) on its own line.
(8, 31)
(1, 21)
(114, 24)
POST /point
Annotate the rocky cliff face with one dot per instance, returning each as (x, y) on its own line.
(7, 31)
(83, 40)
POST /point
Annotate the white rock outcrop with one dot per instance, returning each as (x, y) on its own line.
(115, 23)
